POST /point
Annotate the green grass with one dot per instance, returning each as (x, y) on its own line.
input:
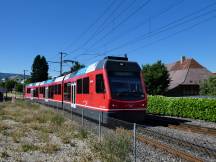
(4, 154)
(114, 147)
(50, 148)
(29, 147)
(17, 134)
(83, 134)
(57, 119)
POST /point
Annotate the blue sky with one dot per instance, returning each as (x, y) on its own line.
(136, 27)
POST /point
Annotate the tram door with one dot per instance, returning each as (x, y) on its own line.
(73, 95)
(46, 94)
(32, 93)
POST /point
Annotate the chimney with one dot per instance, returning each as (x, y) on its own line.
(183, 58)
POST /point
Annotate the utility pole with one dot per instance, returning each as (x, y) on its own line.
(24, 73)
(62, 54)
(61, 59)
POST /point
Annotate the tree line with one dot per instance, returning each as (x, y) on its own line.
(156, 77)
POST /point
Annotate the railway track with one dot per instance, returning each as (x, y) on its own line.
(194, 129)
(185, 149)
(153, 120)
(169, 149)
(177, 147)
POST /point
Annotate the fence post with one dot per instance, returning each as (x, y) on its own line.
(82, 116)
(99, 126)
(71, 113)
(134, 141)
(63, 110)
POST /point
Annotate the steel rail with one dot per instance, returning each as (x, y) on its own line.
(194, 129)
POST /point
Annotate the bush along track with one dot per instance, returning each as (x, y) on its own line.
(195, 108)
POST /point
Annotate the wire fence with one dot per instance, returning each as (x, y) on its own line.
(118, 130)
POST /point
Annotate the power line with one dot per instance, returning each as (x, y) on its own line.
(146, 21)
(166, 27)
(98, 31)
(178, 32)
(103, 23)
(122, 22)
(93, 23)
(123, 11)
(185, 29)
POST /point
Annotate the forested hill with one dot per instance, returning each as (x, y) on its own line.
(7, 75)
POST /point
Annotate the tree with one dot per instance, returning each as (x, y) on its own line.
(156, 78)
(208, 87)
(2, 84)
(19, 87)
(28, 81)
(76, 66)
(10, 84)
(39, 69)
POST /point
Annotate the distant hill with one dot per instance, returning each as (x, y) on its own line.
(11, 75)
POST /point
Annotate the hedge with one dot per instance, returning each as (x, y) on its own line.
(195, 108)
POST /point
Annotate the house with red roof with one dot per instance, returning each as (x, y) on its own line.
(186, 76)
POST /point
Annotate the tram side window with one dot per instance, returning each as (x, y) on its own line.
(43, 91)
(35, 93)
(100, 88)
(28, 90)
(56, 89)
(51, 92)
(79, 86)
(67, 91)
(86, 85)
(59, 89)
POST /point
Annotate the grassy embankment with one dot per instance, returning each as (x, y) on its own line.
(33, 132)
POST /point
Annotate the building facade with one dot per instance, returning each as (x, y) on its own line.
(186, 75)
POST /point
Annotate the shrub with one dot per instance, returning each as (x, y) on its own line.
(208, 87)
(195, 108)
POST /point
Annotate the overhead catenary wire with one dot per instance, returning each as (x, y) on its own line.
(93, 23)
(157, 32)
(123, 11)
(167, 27)
(151, 34)
(165, 10)
(180, 31)
(97, 29)
(122, 22)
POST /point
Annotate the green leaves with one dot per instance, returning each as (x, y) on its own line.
(208, 87)
(156, 78)
(195, 108)
(39, 69)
